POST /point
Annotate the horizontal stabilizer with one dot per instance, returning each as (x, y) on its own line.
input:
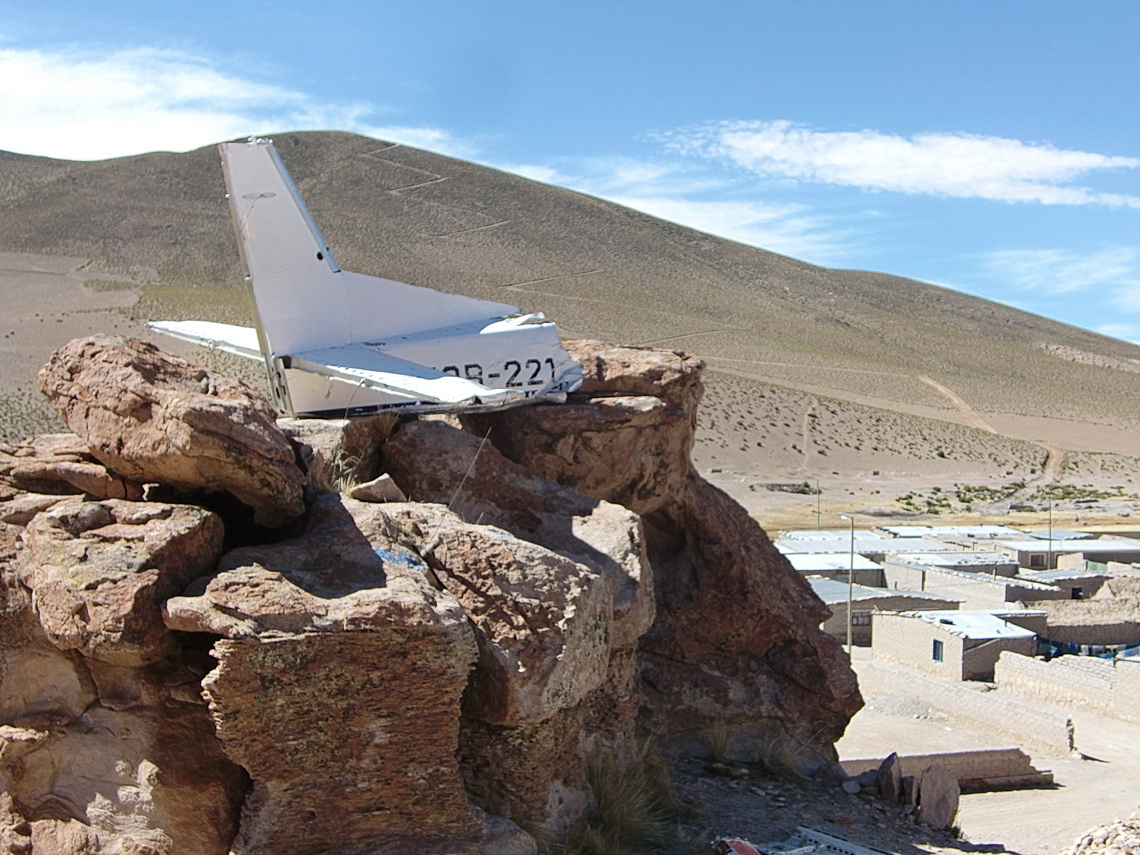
(367, 367)
(240, 341)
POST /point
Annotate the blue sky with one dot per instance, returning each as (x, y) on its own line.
(991, 147)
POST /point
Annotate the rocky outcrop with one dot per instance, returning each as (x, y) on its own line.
(105, 743)
(625, 437)
(432, 461)
(1110, 838)
(735, 647)
(531, 728)
(406, 675)
(938, 795)
(337, 688)
(59, 463)
(154, 418)
(101, 571)
(337, 454)
(542, 620)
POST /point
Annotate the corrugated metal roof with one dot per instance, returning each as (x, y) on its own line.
(817, 562)
(955, 559)
(975, 625)
(833, 591)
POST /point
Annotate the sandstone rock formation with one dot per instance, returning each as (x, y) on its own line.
(409, 676)
(337, 688)
(735, 647)
(155, 418)
(55, 464)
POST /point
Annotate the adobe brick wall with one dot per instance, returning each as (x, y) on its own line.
(978, 660)
(1126, 697)
(986, 768)
(1109, 687)
(910, 642)
(1022, 723)
(1069, 681)
(837, 624)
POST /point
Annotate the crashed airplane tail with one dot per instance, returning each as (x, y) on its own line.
(338, 343)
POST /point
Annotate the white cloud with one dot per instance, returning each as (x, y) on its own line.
(88, 106)
(940, 164)
(1058, 271)
(1124, 332)
(787, 229)
(1109, 277)
(672, 191)
(536, 172)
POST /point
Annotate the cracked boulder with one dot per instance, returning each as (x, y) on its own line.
(337, 688)
(106, 745)
(151, 417)
(100, 571)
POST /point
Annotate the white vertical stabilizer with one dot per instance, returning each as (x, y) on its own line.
(334, 341)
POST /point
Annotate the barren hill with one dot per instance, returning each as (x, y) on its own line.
(814, 373)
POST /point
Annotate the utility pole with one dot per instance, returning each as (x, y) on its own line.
(850, 581)
(1049, 560)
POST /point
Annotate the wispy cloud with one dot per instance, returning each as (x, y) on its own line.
(674, 191)
(1109, 277)
(86, 106)
(1058, 271)
(939, 164)
(1124, 332)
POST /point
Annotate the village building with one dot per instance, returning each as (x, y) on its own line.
(1072, 552)
(958, 534)
(865, 601)
(954, 645)
(974, 590)
(971, 562)
(1080, 584)
(837, 565)
(871, 545)
(1101, 626)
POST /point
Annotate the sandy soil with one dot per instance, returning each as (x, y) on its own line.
(46, 305)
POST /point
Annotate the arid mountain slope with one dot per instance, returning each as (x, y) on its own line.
(853, 352)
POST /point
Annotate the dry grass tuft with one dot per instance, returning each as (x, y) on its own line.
(636, 807)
